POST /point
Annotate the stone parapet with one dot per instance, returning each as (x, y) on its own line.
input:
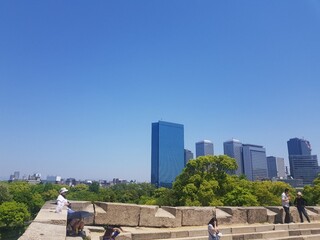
(238, 215)
(117, 214)
(196, 216)
(48, 225)
(151, 216)
(51, 225)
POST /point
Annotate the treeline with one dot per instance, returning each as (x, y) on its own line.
(204, 182)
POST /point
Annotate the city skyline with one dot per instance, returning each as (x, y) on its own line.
(81, 83)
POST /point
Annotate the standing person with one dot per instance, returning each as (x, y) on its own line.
(213, 229)
(300, 203)
(286, 205)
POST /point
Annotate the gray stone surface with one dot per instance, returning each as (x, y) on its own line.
(279, 213)
(44, 231)
(196, 216)
(238, 215)
(153, 216)
(256, 215)
(117, 214)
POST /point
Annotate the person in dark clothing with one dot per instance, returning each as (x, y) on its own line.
(111, 233)
(300, 203)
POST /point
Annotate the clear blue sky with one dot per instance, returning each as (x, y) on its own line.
(82, 81)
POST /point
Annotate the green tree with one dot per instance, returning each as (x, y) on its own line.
(269, 193)
(94, 187)
(50, 194)
(201, 181)
(21, 192)
(107, 195)
(5, 195)
(240, 197)
(36, 203)
(13, 214)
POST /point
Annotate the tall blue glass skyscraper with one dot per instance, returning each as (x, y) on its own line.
(167, 152)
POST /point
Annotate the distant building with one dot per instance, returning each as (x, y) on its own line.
(296, 183)
(233, 148)
(15, 176)
(167, 152)
(188, 155)
(119, 181)
(34, 179)
(255, 162)
(303, 165)
(276, 168)
(204, 148)
(297, 146)
(53, 179)
(71, 182)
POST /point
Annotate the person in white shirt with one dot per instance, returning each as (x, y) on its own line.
(213, 230)
(285, 198)
(62, 201)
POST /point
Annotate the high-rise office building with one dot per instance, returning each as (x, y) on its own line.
(254, 162)
(297, 146)
(276, 167)
(303, 165)
(188, 155)
(233, 148)
(167, 152)
(204, 148)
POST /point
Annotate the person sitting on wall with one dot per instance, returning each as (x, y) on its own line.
(63, 201)
(74, 225)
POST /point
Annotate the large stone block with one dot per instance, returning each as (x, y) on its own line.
(117, 214)
(271, 215)
(279, 213)
(47, 214)
(153, 216)
(294, 215)
(44, 231)
(314, 213)
(196, 216)
(80, 205)
(238, 215)
(257, 215)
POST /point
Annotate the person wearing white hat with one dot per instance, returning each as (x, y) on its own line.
(300, 203)
(62, 201)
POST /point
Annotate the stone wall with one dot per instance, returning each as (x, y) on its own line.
(154, 216)
(51, 225)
